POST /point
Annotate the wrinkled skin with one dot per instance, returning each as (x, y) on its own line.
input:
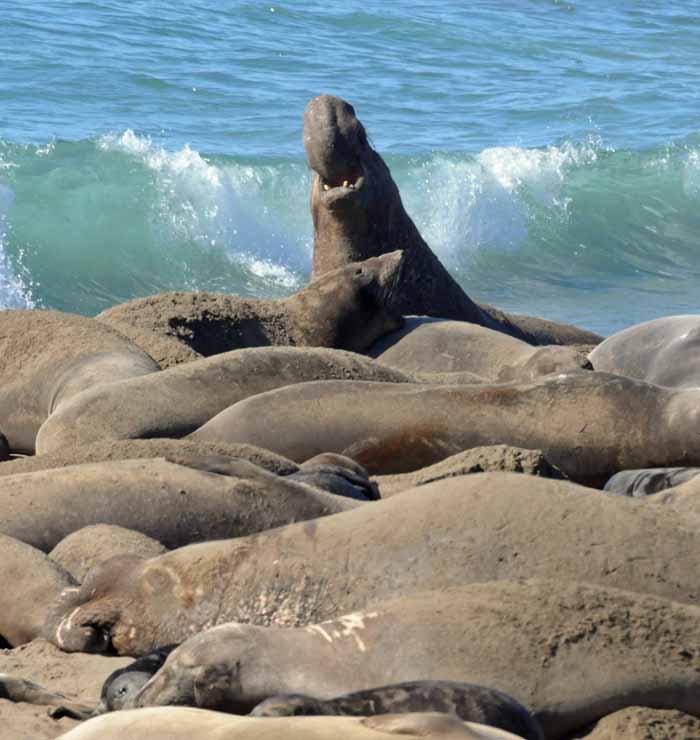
(358, 213)
(453, 531)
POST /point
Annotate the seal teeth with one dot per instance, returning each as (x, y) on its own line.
(345, 183)
(326, 186)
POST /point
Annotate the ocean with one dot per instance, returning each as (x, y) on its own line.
(548, 151)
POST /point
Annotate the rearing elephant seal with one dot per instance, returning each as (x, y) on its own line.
(469, 702)
(358, 213)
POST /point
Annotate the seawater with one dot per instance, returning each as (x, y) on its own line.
(549, 152)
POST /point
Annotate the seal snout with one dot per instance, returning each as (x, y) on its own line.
(335, 140)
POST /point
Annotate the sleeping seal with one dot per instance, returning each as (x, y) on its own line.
(469, 702)
(542, 642)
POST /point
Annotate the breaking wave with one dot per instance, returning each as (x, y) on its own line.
(570, 230)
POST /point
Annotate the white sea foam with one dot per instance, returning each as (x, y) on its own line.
(14, 291)
(465, 204)
(691, 174)
(236, 207)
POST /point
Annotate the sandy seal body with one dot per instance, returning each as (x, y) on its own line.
(46, 357)
(345, 309)
(588, 424)
(29, 583)
(454, 531)
(177, 401)
(542, 642)
(175, 504)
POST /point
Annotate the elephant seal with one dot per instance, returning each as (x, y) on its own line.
(82, 550)
(589, 424)
(184, 723)
(357, 214)
(179, 451)
(645, 482)
(344, 309)
(471, 703)
(476, 460)
(208, 498)
(177, 401)
(46, 357)
(540, 641)
(663, 351)
(29, 584)
(457, 346)
(337, 474)
(121, 687)
(453, 531)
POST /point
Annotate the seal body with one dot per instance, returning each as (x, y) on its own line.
(344, 309)
(357, 213)
(664, 351)
(518, 636)
(47, 357)
(588, 424)
(488, 526)
(204, 499)
(184, 723)
(177, 401)
(469, 702)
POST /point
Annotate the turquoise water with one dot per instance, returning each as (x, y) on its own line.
(548, 151)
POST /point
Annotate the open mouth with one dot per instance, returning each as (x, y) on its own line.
(348, 181)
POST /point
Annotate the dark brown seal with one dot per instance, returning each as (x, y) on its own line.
(358, 213)
(470, 702)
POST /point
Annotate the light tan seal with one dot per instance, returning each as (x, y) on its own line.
(184, 723)
(589, 424)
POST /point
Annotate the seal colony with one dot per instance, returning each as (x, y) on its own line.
(374, 508)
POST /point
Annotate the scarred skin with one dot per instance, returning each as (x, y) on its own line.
(358, 213)
(542, 642)
(454, 531)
